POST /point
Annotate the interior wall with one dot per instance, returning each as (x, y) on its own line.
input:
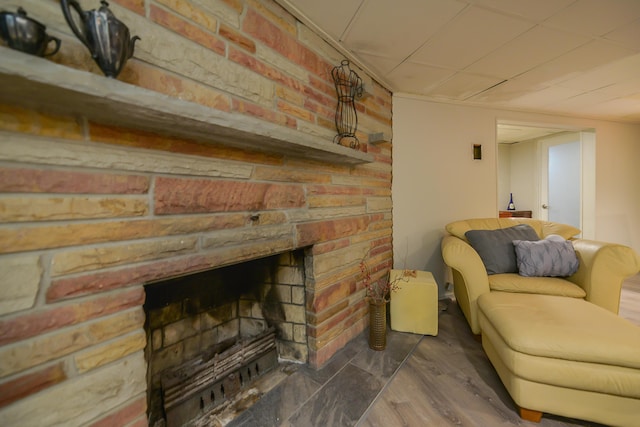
(524, 176)
(504, 175)
(436, 180)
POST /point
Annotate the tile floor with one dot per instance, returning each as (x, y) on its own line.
(418, 381)
(336, 395)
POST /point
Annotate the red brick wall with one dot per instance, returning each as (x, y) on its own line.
(90, 213)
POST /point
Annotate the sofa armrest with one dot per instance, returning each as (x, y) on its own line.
(603, 268)
(470, 276)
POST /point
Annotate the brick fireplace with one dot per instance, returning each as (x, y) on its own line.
(108, 186)
(194, 319)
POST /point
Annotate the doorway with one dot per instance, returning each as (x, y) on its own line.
(528, 171)
(561, 191)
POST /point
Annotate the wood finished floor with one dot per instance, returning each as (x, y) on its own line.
(418, 381)
(630, 299)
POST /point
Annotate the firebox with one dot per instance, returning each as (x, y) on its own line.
(212, 334)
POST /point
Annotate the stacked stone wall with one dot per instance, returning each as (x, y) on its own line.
(90, 213)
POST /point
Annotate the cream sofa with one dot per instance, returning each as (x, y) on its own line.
(603, 267)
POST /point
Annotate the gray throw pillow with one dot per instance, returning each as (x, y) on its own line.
(554, 256)
(495, 247)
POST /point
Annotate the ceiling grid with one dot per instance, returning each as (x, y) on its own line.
(568, 57)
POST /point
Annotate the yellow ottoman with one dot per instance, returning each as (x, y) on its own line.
(414, 307)
(563, 356)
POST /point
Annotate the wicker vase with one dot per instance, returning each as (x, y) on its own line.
(377, 325)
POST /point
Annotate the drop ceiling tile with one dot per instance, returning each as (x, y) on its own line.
(476, 37)
(380, 64)
(505, 92)
(461, 86)
(587, 98)
(603, 110)
(417, 78)
(621, 70)
(517, 95)
(594, 105)
(471, 35)
(590, 17)
(526, 51)
(627, 35)
(602, 103)
(629, 89)
(323, 13)
(572, 64)
(605, 96)
(536, 11)
(614, 107)
(383, 27)
(510, 133)
(544, 98)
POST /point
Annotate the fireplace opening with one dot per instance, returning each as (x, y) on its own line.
(211, 336)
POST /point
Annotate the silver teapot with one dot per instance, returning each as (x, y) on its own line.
(26, 34)
(106, 37)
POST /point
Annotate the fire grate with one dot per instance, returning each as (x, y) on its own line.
(200, 386)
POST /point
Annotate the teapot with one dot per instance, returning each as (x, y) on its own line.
(26, 34)
(106, 37)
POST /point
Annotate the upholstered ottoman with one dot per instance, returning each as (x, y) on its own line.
(414, 306)
(563, 356)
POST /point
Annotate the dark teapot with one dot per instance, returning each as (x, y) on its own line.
(105, 36)
(26, 34)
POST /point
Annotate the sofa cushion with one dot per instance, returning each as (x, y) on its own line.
(513, 282)
(564, 342)
(552, 256)
(542, 228)
(562, 328)
(565, 231)
(495, 247)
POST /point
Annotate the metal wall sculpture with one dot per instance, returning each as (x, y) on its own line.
(348, 86)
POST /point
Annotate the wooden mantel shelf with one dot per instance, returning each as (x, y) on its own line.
(38, 83)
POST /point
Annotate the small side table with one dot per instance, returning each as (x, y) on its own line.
(514, 214)
(414, 307)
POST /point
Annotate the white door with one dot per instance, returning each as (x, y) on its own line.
(567, 180)
(563, 184)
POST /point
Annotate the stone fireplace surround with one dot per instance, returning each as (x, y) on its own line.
(72, 331)
(92, 211)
